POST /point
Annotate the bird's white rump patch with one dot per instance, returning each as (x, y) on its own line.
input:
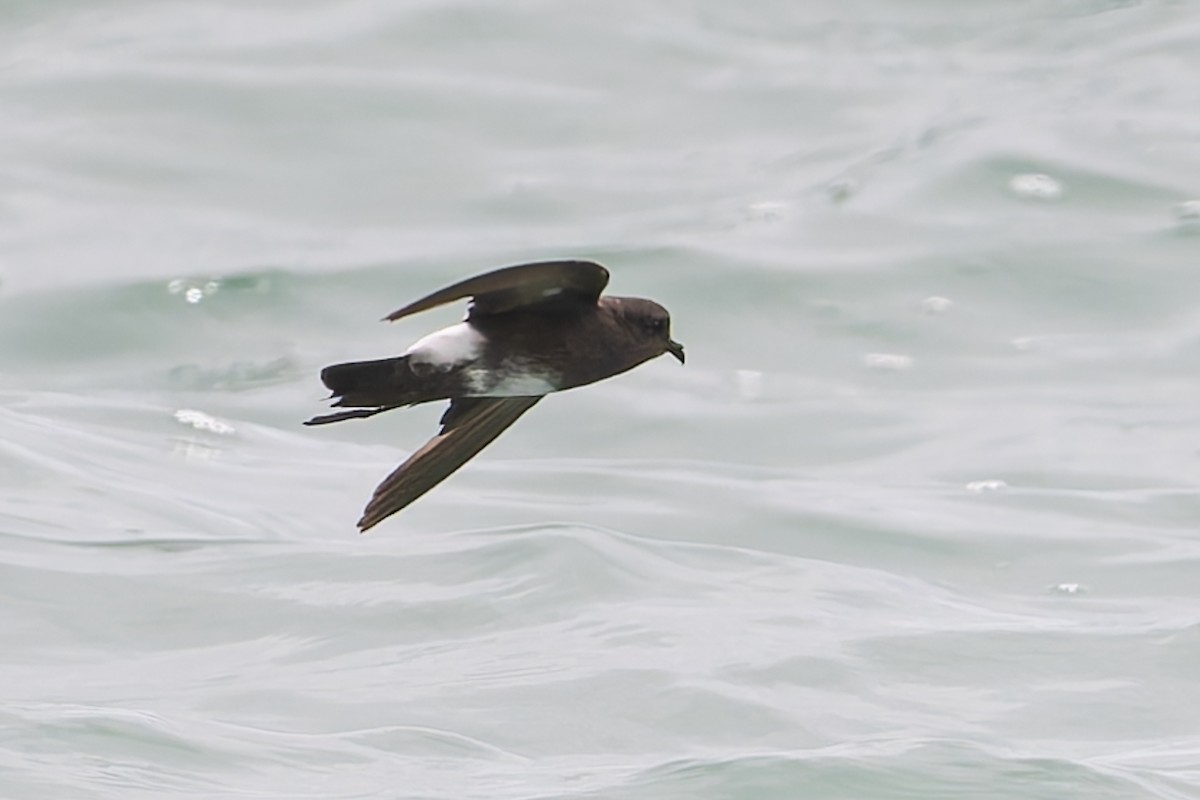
(448, 347)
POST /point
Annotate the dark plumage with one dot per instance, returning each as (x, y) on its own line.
(530, 330)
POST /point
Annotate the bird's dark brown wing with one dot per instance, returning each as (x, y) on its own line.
(468, 426)
(545, 283)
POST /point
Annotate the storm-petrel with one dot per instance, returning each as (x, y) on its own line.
(531, 329)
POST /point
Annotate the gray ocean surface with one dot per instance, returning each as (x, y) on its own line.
(919, 519)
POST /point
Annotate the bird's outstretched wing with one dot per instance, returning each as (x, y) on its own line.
(468, 426)
(524, 286)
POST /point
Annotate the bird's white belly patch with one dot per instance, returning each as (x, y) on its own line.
(509, 383)
(448, 347)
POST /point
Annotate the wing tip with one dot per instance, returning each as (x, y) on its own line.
(372, 516)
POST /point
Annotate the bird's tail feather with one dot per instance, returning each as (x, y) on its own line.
(370, 387)
(338, 416)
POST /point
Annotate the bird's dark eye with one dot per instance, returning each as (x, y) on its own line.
(657, 325)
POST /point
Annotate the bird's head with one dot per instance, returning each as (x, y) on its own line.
(650, 326)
